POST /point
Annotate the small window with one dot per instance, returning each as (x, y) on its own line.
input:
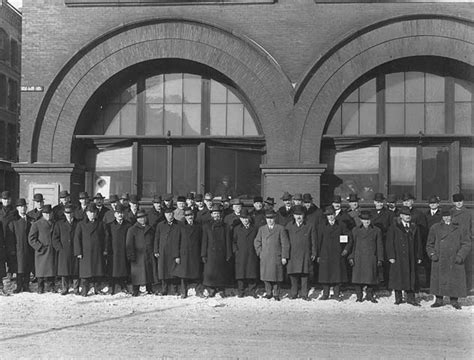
(3, 91)
(12, 95)
(14, 53)
(11, 142)
(4, 45)
(3, 140)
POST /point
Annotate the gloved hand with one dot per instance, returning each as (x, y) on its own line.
(283, 261)
(157, 255)
(204, 259)
(344, 252)
(318, 259)
(419, 261)
(177, 261)
(434, 258)
(351, 262)
(458, 260)
(392, 261)
(379, 263)
(313, 257)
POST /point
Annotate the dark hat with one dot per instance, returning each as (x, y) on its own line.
(168, 210)
(6, 195)
(37, 197)
(134, 199)
(433, 199)
(113, 198)
(407, 196)
(365, 215)
(298, 196)
(336, 199)
(64, 194)
(379, 197)
(307, 198)
(83, 195)
(21, 202)
(258, 199)
(392, 198)
(199, 198)
(270, 214)
(168, 197)
(458, 197)
(190, 195)
(236, 201)
(445, 211)
(405, 210)
(298, 210)
(119, 208)
(188, 211)
(286, 196)
(141, 213)
(270, 201)
(181, 199)
(98, 196)
(124, 196)
(329, 210)
(216, 207)
(208, 197)
(157, 198)
(226, 198)
(91, 208)
(353, 198)
(68, 208)
(244, 213)
(46, 209)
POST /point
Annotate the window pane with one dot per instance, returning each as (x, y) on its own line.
(111, 121)
(192, 88)
(249, 124)
(462, 90)
(174, 88)
(350, 119)
(368, 92)
(435, 123)
(235, 118)
(154, 170)
(350, 172)
(192, 119)
(402, 170)
(154, 90)
(394, 118)
(334, 127)
(231, 98)
(3, 91)
(129, 95)
(435, 172)
(218, 119)
(434, 88)
(353, 97)
(218, 93)
(415, 118)
(467, 172)
(463, 118)
(184, 169)
(368, 119)
(128, 120)
(173, 119)
(394, 88)
(154, 119)
(11, 142)
(415, 87)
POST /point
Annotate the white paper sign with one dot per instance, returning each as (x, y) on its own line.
(343, 239)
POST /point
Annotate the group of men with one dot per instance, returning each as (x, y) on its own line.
(215, 243)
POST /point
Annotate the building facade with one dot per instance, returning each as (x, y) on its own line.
(10, 47)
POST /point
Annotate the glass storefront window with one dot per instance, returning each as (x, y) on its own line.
(435, 169)
(467, 172)
(154, 170)
(402, 169)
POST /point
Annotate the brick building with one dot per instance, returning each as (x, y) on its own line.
(10, 45)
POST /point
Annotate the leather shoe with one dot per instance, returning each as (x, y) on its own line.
(437, 304)
(268, 296)
(456, 305)
(324, 297)
(398, 302)
(413, 303)
(359, 300)
(277, 298)
(306, 298)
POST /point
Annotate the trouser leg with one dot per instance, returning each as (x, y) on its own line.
(268, 289)
(184, 288)
(85, 287)
(398, 296)
(294, 285)
(252, 287)
(240, 287)
(75, 285)
(149, 288)
(337, 290)
(304, 285)
(135, 290)
(164, 287)
(40, 285)
(64, 285)
(19, 283)
(325, 291)
(358, 290)
(276, 290)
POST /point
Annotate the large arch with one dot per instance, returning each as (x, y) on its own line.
(253, 70)
(329, 77)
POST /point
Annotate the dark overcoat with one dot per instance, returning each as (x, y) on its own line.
(40, 239)
(432, 219)
(101, 213)
(445, 243)
(155, 217)
(80, 213)
(167, 243)
(140, 253)
(382, 219)
(367, 249)
(217, 249)
(463, 218)
(284, 216)
(7, 215)
(271, 246)
(313, 215)
(246, 259)
(89, 241)
(203, 216)
(190, 266)
(130, 216)
(18, 231)
(58, 212)
(302, 247)
(258, 218)
(35, 214)
(3, 253)
(63, 242)
(116, 237)
(332, 265)
(406, 248)
(109, 217)
(355, 215)
(345, 218)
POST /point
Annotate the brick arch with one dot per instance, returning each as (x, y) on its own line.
(254, 71)
(384, 42)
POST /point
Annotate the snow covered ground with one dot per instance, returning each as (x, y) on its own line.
(149, 326)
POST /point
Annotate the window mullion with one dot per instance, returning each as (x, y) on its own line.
(419, 172)
(380, 104)
(454, 168)
(169, 166)
(135, 180)
(384, 167)
(205, 106)
(449, 105)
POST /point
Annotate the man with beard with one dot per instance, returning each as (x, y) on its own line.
(382, 218)
(216, 253)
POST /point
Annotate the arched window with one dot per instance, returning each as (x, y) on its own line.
(156, 128)
(405, 127)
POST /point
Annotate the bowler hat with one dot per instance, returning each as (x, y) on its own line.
(236, 201)
(91, 208)
(113, 198)
(198, 198)
(365, 215)
(270, 214)
(188, 211)
(270, 201)
(407, 196)
(119, 208)
(445, 211)
(6, 195)
(157, 198)
(337, 199)
(329, 210)
(181, 199)
(46, 209)
(392, 198)
(433, 199)
(216, 207)
(258, 199)
(134, 199)
(244, 213)
(68, 208)
(286, 196)
(168, 197)
(124, 196)
(38, 197)
(379, 197)
(307, 198)
(353, 198)
(190, 195)
(83, 195)
(168, 210)
(98, 196)
(21, 202)
(298, 210)
(64, 194)
(458, 197)
(141, 213)
(405, 210)
(298, 196)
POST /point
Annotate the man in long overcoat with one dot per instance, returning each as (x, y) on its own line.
(334, 244)
(366, 256)
(258, 212)
(80, 212)
(40, 239)
(190, 265)
(18, 232)
(167, 243)
(7, 214)
(156, 215)
(448, 246)
(63, 243)
(89, 248)
(140, 239)
(433, 216)
(285, 212)
(246, 259)
(302, 237)
(38, 203)
(404, 252)
(273, 248)
(204, 214)
(58, 210)
(101, 208)
(216, 253)
(3, 258)
(115, 240)
(109, 216)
